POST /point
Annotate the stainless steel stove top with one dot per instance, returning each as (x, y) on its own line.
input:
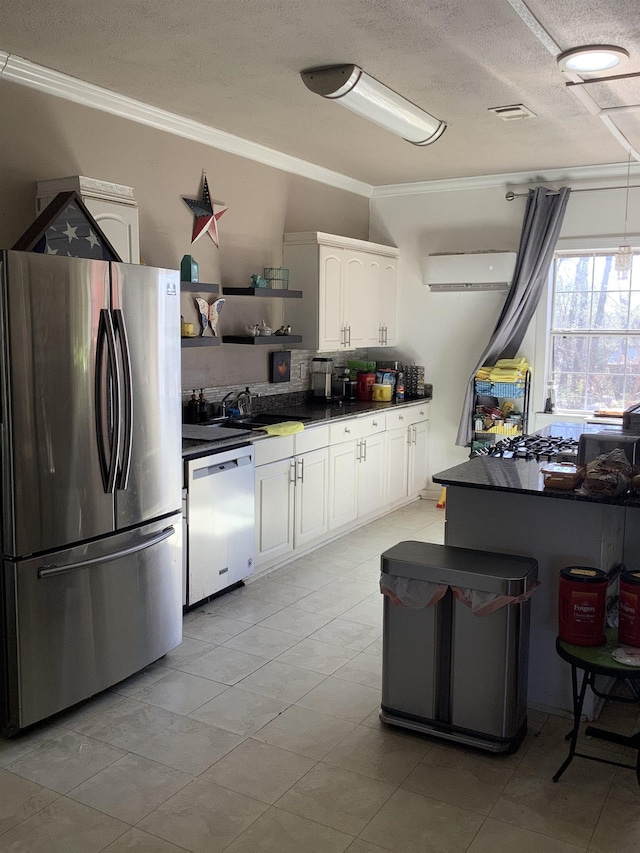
(540, 448)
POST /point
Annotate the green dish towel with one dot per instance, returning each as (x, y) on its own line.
(284, 428)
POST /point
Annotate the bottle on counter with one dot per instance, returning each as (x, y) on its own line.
(400, 387)
(203, 408)
(192, 409)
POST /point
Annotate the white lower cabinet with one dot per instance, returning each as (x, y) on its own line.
(357, 470)
(397, 464)
(418, 460)
(311, 515)
(371, 485)
(291, 502)
(275, 504)
(334, 477)
(343, 484)
(407, 458)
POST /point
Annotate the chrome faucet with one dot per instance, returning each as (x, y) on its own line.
(244, 401)
(225, 403)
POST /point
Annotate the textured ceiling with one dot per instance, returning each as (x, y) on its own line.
(234, 65)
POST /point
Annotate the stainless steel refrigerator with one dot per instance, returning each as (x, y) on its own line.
(90, 478)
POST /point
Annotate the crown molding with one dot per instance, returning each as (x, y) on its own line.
(17, 70)
(607, 172)
(23, 72)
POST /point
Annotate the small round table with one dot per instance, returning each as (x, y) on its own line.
(594, 661)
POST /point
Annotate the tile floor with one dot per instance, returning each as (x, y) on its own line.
(260, 734)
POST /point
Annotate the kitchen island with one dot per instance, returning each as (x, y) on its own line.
(497, 504)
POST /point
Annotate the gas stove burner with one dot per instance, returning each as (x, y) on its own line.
(541, 448)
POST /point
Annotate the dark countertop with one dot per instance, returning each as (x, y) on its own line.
(524, 477)
(310, 413)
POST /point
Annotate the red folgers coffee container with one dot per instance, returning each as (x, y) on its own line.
(582, 605)
(365, 385)
(629, 610)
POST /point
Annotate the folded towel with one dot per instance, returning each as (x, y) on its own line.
(519, 362)
(284, 428)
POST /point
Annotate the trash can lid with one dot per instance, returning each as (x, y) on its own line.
(465, 567)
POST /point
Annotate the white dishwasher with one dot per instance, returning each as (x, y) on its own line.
(220, 521)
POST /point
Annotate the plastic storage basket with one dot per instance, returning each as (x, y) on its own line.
(500, 389)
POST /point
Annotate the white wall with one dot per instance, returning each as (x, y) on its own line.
(448, 331)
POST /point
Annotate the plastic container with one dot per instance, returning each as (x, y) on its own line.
(629, 610)
(366, 382)
(561, 475)
(381, 393)
(582, 605)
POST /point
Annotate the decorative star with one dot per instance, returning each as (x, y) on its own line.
(92, 239)
(51, 251)
(71, 232)
(206, 217)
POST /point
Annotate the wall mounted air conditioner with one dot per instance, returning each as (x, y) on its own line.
(469, 271)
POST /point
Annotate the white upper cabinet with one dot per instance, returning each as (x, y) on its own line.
(350, 291)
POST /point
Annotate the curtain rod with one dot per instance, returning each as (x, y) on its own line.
(511, 196)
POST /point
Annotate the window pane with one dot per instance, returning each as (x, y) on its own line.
(572, 310)
(632, 390)
(605, 276)
(574, 273)
(633, 355)
(634, 309)
(635, 273)
(607, 355)
(605, 391)
(570, 390)
(610, 310)
(570, 354)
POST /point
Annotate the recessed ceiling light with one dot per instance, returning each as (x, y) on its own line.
(591, 59)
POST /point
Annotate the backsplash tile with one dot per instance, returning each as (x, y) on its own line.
(300, 379)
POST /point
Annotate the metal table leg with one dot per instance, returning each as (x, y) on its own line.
(578, 701)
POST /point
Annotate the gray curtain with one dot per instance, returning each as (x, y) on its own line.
(543, 218)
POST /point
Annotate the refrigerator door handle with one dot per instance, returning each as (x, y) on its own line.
(107, 422)
(123, 477)
(49, 571)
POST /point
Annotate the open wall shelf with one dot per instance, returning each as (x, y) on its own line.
(201, 341)
(264, 292)
(199, 287)
(262, 340)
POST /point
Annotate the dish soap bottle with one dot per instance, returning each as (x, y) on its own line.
(192, 409)
(203, 408)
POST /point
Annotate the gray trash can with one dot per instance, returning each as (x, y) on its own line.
(447, 672)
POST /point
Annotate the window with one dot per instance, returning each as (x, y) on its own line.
(595, 332)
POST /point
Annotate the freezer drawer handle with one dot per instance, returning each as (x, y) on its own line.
(54, 571)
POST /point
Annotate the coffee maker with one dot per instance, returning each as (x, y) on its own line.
(321, 372)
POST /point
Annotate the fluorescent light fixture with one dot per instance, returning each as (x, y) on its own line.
(591, 59)
(360, 93)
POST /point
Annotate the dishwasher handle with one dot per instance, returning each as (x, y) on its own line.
(221, 467)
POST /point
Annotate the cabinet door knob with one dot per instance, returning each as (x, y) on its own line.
(347, 430)
(375, 424)
(400, 417)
